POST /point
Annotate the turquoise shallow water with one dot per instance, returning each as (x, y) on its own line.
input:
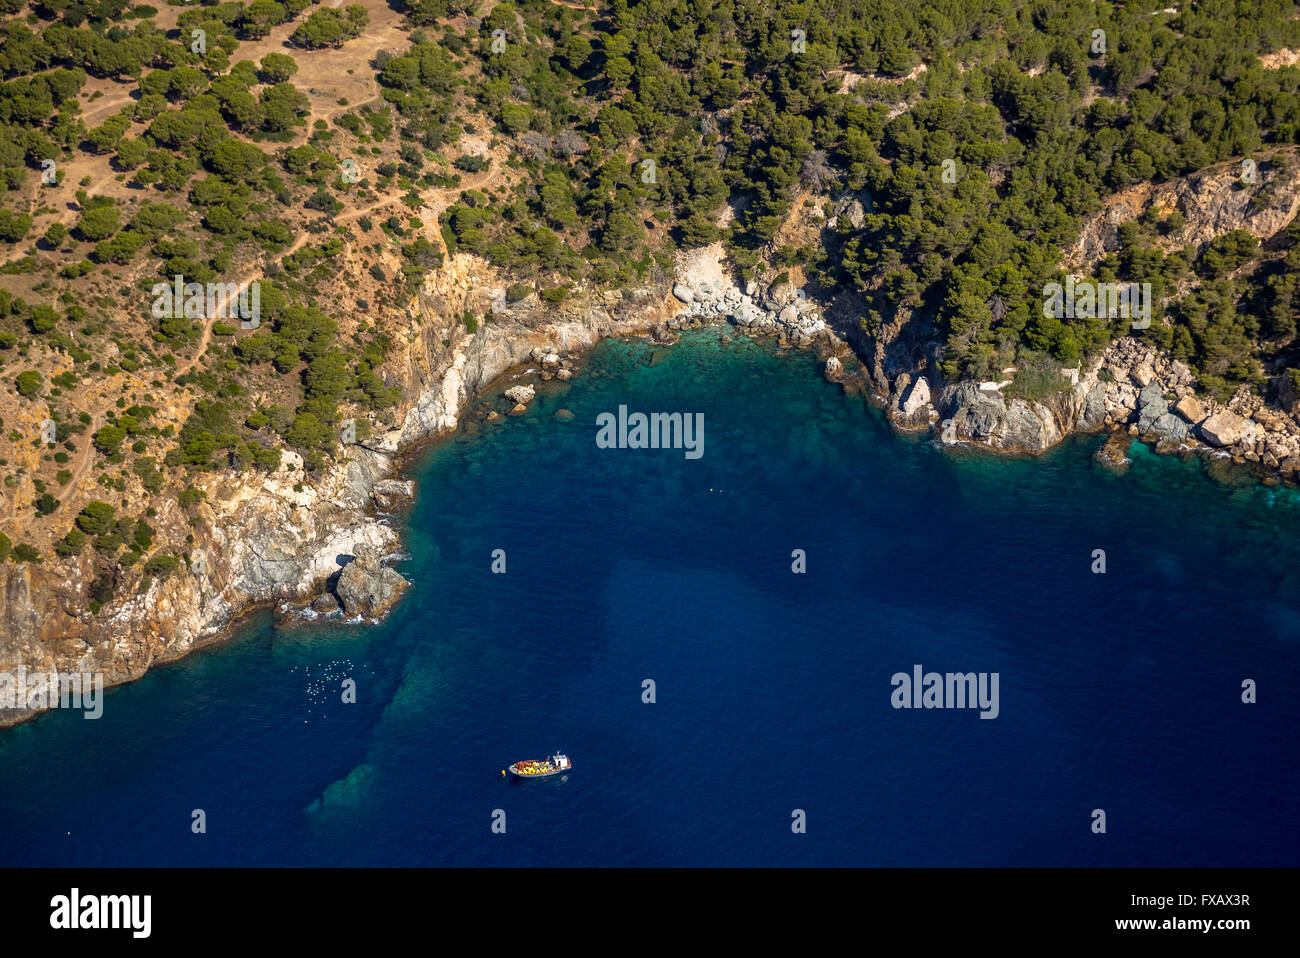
(1118, 691)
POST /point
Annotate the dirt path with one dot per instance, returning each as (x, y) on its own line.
(297, 244)
(86, 454)
(446, 196)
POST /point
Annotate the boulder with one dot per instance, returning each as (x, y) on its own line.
(852, 209)
(1143, 375)
(1223, 428)
(521, 394)
(834, 369)
(1190, 408)
(386, 492)
(1122, 399)
(975, 412)
(683, 293)
(399, 488)
(1169, 426)
(917, 397)
(1151, 406)
(366, 586)
(1094, 407)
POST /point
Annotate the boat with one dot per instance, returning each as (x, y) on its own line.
(533, 768)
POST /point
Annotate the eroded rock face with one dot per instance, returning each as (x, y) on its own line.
(918, 397)
(1094, 408)
(389, 492)
(1027, 426)
(280, 537)
(366, 587)
(975, 412)
(1213, 202)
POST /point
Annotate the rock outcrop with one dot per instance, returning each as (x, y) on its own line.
(1212, 202)
(366, 587)
(707, 290)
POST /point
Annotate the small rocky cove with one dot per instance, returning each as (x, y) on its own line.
(320, 547)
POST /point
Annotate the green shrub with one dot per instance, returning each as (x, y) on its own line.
(30, 383)
(1037, 377)
(96, 518)
(161, 566)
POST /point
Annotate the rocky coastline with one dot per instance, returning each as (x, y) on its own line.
(288, 542)
(1131, 390)
(281, 542)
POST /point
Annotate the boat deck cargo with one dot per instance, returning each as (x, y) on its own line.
(534, 768)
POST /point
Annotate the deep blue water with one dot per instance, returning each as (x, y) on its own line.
(1119, 691)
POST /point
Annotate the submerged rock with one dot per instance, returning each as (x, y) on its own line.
(520, 394)
(1113, 454)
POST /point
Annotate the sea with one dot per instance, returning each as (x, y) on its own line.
(718, 644)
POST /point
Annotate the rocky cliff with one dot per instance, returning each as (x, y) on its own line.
(1259, 197)
(256, 540)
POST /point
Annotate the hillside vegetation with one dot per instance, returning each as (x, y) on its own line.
(335, 155)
